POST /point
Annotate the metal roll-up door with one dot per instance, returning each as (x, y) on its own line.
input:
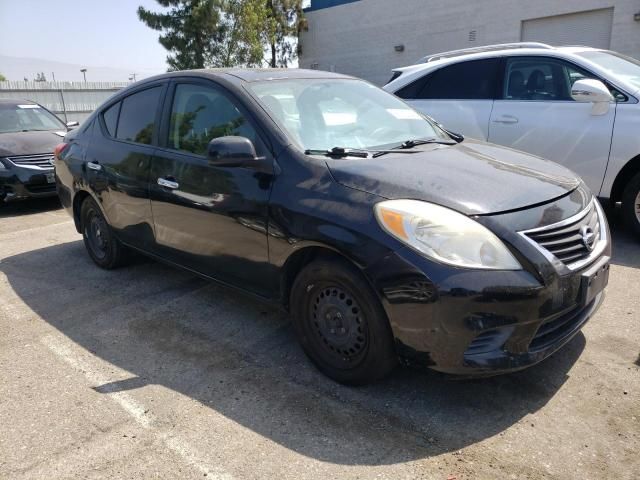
(591, 28)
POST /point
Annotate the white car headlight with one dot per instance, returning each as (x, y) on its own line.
(444, 235)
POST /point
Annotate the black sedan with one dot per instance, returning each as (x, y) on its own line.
(28, 135)
(385, 237)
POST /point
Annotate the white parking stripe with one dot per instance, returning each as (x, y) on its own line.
(18, 233)
(65, 350)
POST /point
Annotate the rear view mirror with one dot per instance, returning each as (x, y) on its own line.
(72, 124)
(231, 152)
(589, 90)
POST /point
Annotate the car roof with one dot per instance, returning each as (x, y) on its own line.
(16, 101)
(251, 74)
(455, 56)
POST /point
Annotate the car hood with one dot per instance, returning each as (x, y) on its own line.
(472, 177)
(29, 143)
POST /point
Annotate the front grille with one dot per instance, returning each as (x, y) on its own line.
(40, 161)
(568, 240)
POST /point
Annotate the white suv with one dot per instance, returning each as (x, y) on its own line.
(574, 105)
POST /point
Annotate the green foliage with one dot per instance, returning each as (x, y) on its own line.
(3, 78)
(227, 33)
(185, 138)
(191, 31)
(285, 21)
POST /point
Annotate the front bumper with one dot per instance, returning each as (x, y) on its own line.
(483, 322)
(18, 183)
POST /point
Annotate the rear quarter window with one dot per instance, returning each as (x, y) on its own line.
(472, 80)
(110, 117)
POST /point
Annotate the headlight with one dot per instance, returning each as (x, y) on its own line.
(2, 167)
(444, 235)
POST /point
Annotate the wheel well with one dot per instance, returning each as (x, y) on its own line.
(300, 259)
(624, 176)
(77, 205)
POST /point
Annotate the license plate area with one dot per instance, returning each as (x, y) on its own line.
(594, 280)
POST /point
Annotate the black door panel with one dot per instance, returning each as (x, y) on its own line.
(118, 169)
(210, 219)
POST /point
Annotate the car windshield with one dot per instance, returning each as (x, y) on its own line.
(320, 114)
(27, 117)
(621, 66)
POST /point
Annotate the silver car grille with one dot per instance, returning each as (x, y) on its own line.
(42, 161)
(575, 241)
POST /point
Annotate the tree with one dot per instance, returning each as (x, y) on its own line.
(227, 33)
(3, 78)
(243, 28)
(285, 22)
(40, 77)
(191, 31)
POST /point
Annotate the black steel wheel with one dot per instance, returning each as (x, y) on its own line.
(340, 323)
(103, 247)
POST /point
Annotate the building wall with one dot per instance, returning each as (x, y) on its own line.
(71, 101)
(358, 37)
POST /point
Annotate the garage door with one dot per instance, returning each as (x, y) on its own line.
(592, 28)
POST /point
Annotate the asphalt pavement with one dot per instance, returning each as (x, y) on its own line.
(151, 372)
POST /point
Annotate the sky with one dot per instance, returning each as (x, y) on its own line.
(78, 33)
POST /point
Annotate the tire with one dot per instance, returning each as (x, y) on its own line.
(631, 204)
(103, 247)
(341, 324)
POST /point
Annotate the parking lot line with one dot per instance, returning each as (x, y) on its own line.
(66, 351)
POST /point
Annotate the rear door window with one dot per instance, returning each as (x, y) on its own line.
(137, 120)
(472, 80)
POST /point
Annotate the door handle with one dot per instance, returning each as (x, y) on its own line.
(506, 119)
(93, 165)
(165, 182)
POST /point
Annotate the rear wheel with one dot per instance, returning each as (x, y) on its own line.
(631, 204)
(103, 247)
(340, 323)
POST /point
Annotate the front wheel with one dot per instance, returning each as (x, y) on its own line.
(103, 247)
(340, 323)
(631, 204)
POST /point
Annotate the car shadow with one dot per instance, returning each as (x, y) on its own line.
(239, 357)
(626, 246)
(29, 207)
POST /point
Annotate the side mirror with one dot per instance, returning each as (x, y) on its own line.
(72, 124)
(593, 91)
(231, 151)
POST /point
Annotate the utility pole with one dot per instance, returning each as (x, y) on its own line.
(84, 74)
(132, 76)
(53, 76)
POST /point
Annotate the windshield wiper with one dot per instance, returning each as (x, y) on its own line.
(412, 143)
(339, 152)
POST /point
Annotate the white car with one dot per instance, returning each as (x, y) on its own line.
(577, 106)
